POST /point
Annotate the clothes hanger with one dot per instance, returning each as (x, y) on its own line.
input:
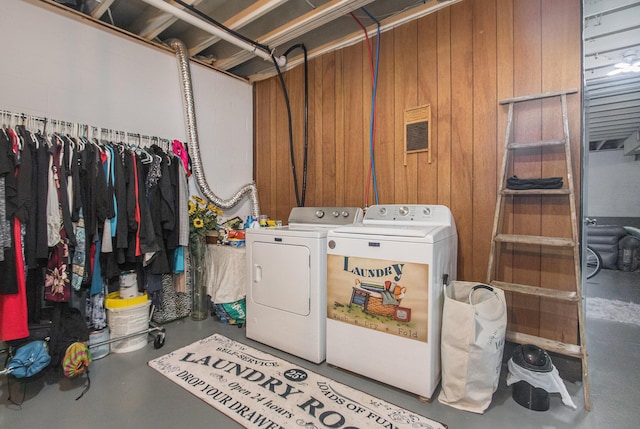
(4, 123)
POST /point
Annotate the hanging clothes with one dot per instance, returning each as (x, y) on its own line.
(75, 212)
(57, 283)
(6, 166)
(42, 166)
(35, 245)
(8, 275)
(13, 298)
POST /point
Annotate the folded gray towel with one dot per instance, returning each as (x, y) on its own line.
(389, 298)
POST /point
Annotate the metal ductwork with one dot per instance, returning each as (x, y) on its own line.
(194, 146)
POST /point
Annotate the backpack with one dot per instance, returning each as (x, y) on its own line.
(24, 362)
(68, 343)
(76, 362)
(68, 326)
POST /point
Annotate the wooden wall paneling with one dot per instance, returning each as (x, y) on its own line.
(295, 86)
(444, 108)
(406, 76)
(527, 163)
(354, 129)
(428, 94)
(315, 132)
(504, 74)
(339, 132)
(561, 45)
(462, 153)
(368, 68)
(329, 121)
(264, 144)
(312, 182)
(284, 185)
(273, 147)
(384, 149)
(261, 140)
(486, 164)
(456, 51)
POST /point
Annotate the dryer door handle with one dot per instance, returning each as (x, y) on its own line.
(257, 273)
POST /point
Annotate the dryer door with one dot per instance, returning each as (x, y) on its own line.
(280, 275)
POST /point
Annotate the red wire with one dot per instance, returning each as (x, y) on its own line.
(366, 35)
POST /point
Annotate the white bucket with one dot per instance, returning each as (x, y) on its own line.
(126, 321)
(96, 337)
(129, 284)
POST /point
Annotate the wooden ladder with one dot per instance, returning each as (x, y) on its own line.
(545, 242)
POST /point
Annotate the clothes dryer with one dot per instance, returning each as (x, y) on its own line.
(385, 284)
(287, 286)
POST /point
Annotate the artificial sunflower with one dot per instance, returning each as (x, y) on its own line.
(203, 216)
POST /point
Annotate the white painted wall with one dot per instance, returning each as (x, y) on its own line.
(613, 185)
(57, 67)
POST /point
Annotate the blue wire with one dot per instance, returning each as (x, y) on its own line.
(373, 104)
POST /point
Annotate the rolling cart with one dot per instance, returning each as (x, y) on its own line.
(153, 328)
(128, 319)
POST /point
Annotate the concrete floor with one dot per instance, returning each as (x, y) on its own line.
(126, 393)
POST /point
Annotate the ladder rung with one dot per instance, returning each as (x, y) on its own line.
(561, 191)
(541, 143)
(537, 291)
(565, 349)
(535, 239)
(537, 96)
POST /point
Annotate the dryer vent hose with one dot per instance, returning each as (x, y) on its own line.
(194, 146)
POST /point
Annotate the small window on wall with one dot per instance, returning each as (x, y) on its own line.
(417, 131)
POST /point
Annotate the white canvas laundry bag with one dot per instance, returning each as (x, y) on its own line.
(474, 324)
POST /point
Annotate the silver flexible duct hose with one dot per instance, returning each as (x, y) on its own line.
(194, 146)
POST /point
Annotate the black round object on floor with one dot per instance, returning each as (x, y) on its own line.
(530, 397)
(531, 358)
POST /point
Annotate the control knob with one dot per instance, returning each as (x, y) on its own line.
(320, 213)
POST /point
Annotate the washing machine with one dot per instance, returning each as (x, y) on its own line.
(385, 292)
(287, 282)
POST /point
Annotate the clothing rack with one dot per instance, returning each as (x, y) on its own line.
(75, 129)
(102, 181)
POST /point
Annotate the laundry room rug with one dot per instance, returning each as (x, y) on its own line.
(613, 310)
(259, 390)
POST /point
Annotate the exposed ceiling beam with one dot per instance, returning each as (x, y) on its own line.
(624, 80)
(303, 24)
(247, 16)
(619, 98)
(607, 107)
(632, 143)
(253, 49)
(611, 23)
(598, 7)
(417, 12)
(155, 21)
(625, 117)
(616, 135)
(100, 8)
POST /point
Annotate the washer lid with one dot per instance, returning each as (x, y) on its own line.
(427, 233)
